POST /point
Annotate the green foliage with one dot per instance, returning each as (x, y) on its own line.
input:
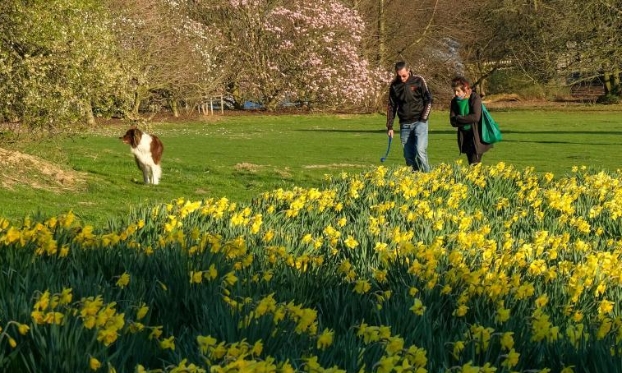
(57, 61)
(609, 99)
(514, 81)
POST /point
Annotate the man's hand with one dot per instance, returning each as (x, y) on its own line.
(390, 133)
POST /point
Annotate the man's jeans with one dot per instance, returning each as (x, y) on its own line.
(414, 137)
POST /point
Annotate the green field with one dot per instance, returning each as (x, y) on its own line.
(513, 266)
(241, 156)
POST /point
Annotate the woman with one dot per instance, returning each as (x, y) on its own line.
(465, 113)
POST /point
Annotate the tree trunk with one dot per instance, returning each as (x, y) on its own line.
(235, 94)
(608, 81)
(480, 88)
(272, 104)
(174, 108)
(615, 81)
(88, 113)
(136, 105)
(382, 27)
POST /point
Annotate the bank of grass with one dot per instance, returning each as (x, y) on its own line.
(239, 157)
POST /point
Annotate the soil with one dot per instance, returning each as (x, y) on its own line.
(19, 169)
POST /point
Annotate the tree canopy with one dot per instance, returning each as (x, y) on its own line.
(68, 61)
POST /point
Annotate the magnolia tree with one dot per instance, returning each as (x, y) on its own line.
(304, 51)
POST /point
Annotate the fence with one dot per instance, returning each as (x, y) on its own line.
(207, 107)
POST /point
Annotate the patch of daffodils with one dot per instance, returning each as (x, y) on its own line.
(463, 269)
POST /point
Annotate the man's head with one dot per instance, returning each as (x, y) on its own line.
(402, 71)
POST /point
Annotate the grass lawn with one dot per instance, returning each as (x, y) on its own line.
(241, 156)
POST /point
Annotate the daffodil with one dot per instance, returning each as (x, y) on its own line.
(196, 277)
(325, 339)
(205, 343)
(108, 335)
(542, 301)
(418, 308)
(350, 242)
(123, 280)
(156, 332)
(605, 307)
(168, 343)
(469, 368)
(362, 287)
(230, 278)
(23, 328)
(507, 340)
(461, 310)
(94, 364)
(457, 349)
(394, 346)
(142, 311)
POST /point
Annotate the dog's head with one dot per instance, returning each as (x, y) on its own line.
(132, 137)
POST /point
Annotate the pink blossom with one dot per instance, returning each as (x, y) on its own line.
(314, 53)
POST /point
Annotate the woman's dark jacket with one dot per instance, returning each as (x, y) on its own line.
(469, 140)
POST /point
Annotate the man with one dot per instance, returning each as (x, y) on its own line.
(410, 98)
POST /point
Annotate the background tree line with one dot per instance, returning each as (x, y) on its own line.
(69, 61)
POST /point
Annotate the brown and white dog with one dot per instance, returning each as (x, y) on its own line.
(147, 150)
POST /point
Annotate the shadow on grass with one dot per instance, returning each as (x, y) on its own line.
(341, 130)
(380, 131)
(564, 132)
(530, 139)
(560, 142)
(450, 131)
(589, 134)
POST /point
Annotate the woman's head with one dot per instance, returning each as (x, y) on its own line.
(402, 71)
(461, 87)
